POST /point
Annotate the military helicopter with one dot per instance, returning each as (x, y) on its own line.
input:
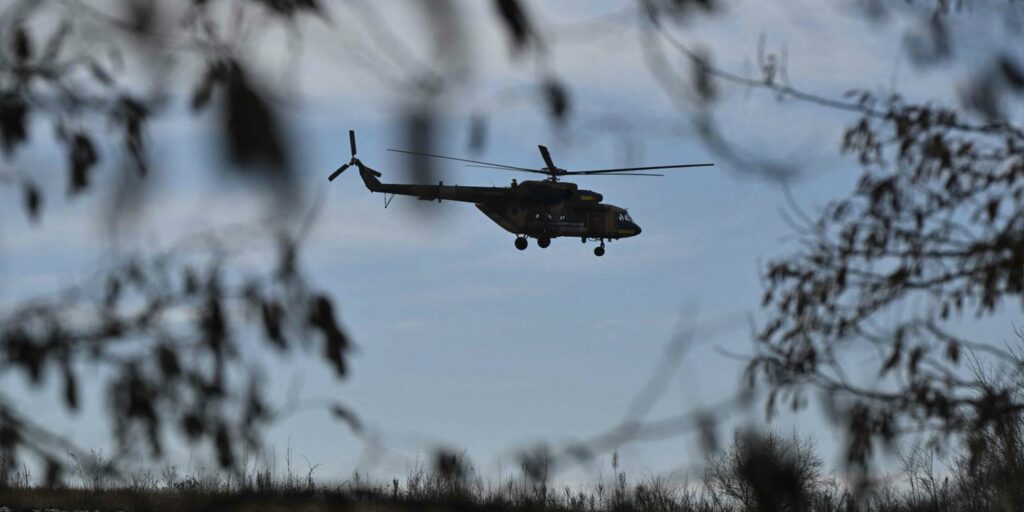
(541, 209)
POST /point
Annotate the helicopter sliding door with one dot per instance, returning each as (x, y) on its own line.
(600, 223)
(570, 222)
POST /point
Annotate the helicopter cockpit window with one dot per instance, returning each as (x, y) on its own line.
(625, 217)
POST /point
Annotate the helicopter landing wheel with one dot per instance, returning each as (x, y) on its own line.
(599, 250)
(543, 243)
(521, 243)
(583, 239)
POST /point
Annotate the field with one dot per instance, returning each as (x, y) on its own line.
(757, 473)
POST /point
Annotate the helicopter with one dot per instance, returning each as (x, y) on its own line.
(541, 209)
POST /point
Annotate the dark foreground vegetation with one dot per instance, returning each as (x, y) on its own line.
(930, 239)
(756, 473)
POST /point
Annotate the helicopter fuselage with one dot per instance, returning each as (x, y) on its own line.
(541, 209)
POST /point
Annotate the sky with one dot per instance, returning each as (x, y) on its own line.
(463, 341)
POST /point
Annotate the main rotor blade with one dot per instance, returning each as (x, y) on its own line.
(625, 174)
(352, 141)
(500, 168)
(508, 167)
(547, 158)
(337, 172)
(548, 174)
(628, 169)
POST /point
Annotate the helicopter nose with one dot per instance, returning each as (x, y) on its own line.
(627, 228)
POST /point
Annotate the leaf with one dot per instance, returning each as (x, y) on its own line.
(557, 99)
(193, 426)
(131, 114)
(9, 436)
(70, 389)
(915, 359)
(708, 433)
(335, 342)
(13, 120)
(250, 124)
(54, 470)
(189, 281)
(348, 417)
(21, 45)
(683, 7)
(225, 455)
(1011, 72)
(992, 208)
(33, 200)
(82, 157)
(289, 8)
(167, 359)
(449, 466)
(213, 324)
(703, 81)
(477, 133)
(113, 292)
(288, 252)
(516, 22)
(100, 74)
(272, 313)
(213, 77)
(255, 410)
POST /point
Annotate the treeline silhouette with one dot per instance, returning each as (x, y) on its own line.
(758, 472)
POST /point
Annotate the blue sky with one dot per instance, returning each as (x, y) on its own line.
(464, 341)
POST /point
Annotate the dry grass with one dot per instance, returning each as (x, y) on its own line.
(742, 478)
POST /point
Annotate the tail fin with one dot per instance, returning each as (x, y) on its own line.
(370, 178)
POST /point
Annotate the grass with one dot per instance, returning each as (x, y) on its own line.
(451, 485)
(757, 473)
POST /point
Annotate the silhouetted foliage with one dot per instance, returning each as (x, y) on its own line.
(937, 222)
(55, 75)
(168, 329)
(520, 28)
(766, 472)
(937, 219)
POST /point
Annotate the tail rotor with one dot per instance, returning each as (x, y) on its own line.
(354, 161)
